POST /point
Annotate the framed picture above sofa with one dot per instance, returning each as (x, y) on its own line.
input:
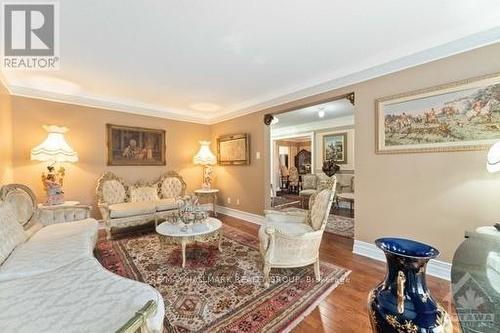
(135, 145)
(462, 115)
(233, 149)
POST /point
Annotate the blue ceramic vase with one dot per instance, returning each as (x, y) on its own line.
(402, 303)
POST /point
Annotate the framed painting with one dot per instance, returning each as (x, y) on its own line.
(460, 116)
(135, 145)
(335, 147)
(233, 149)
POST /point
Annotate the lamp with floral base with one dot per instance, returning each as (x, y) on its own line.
(205, 158)
(54, 149)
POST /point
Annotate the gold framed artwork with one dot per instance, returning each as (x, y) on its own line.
(233, 149)
(459, 116)
(335, 147)
(135, 145)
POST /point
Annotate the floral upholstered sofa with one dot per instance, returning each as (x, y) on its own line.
(124, 205)
(50, 280)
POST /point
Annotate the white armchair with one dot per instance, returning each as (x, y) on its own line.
(292, 239)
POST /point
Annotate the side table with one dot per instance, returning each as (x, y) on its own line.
(211, 194)
(63, 205)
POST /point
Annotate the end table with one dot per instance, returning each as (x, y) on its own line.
(211, 194)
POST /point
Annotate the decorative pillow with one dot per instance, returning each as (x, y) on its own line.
(113, 192)
(11, 232)
(143, 193)
(171, 187)
(309, 182)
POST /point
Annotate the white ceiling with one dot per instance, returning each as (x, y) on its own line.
(332, 110)
(209, 60)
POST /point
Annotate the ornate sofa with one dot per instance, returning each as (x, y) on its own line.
(124, 205)
(50, 281)
(292, 238)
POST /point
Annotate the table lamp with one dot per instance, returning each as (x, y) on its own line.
(206, 158)
(54, 149)
(493, 164)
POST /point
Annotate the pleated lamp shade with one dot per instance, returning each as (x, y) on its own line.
(54, 148)
(205, 155)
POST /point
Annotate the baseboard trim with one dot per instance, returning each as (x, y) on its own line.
(437, 268)
(239, 214)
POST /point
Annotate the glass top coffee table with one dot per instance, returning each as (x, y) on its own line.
(180, 233)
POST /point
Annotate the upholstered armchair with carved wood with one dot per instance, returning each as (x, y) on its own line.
(292, 239)
(124, 205)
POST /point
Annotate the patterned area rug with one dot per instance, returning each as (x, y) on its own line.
(219, 292)
(340, 225)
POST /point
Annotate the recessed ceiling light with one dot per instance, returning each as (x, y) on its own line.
(321, 113)
(206, 107)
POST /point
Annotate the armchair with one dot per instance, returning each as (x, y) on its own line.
(292, 239)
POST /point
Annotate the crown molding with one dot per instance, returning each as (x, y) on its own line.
(312, 126)
(3, 82)
(278, 97)
(358, 75)
(113, 104)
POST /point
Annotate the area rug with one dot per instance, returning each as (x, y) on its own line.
(219, 292)
(340, 225)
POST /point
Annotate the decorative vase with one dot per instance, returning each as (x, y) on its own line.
(402, 303)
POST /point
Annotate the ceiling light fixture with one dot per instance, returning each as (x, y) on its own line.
(321, 113)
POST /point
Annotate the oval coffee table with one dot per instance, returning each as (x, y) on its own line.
(208, 230)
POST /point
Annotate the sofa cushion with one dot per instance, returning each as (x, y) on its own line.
(50, 248)
(287, 228)
(113, 192)
(127, 209)
(143, 193)
(168, 204)
(171, 187)
(11, 232)
(79, 297)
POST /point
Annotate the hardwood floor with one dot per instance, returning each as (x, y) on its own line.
(344, 310)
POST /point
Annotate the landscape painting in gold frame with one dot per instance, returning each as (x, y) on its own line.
(233, 149)
(459, 116)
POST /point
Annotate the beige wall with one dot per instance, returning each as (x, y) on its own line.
(243, 182)
(432, 197)
(87, 136)
(5, 136)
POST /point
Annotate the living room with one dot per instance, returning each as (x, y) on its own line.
(161, 218)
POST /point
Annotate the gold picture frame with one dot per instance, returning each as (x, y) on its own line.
(459, 116)
(135, 146)
(233, 149)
